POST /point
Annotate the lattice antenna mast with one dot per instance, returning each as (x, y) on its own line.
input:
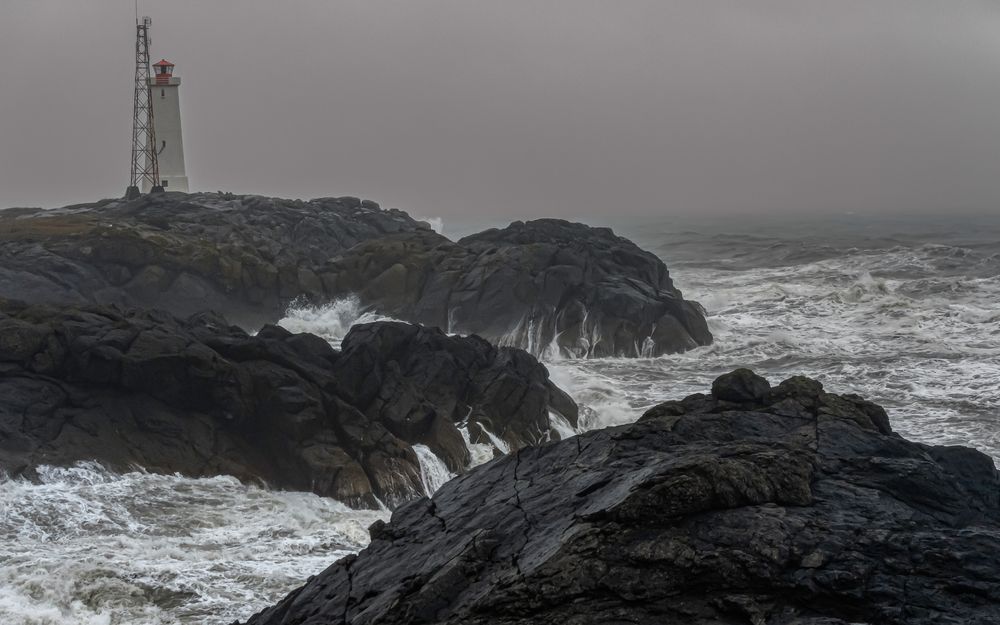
(145, 173)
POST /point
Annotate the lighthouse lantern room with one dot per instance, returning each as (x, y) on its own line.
(163, 71)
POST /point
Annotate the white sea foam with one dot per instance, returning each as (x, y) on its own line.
(883, 324)
(433, 471)
(479, 453)
(561, 425)
(332, 321)
(498, 442)
(602, 400)
(87, 546)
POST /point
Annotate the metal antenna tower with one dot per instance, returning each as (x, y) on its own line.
(145, 169)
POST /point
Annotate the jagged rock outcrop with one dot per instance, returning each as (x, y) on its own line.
(242, 256)
(756, 505)
(545, 284)
(537, 285)
(200, 397)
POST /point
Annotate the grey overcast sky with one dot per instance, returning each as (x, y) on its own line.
(523, 107)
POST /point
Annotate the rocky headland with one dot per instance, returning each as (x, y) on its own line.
(753, 504)
(246, 257)
(546, 285)
(542, 285)
(200, 397)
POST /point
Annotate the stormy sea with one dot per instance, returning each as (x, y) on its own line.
(902, 311)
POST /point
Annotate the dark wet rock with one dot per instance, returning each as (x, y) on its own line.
(419, 381)
(794, 506)
(540, 285)
(533, 285)
(243, 256)
(742, 385)
(201, 397)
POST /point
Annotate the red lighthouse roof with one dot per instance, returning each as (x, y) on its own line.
(163, 71)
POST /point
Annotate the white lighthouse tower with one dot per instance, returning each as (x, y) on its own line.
(163, 86)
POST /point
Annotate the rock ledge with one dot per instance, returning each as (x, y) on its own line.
(757, 505)
(200, 397)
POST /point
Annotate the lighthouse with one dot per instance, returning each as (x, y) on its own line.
(169, 146)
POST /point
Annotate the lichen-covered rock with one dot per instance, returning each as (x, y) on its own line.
(766, 507)
(243, 256)
(200, 397)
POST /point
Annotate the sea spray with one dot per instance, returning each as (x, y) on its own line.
(84, 545)
(500, 444)
(331, 321)
(561, 425)
(433, 472)
(479, 453)
(436, 223)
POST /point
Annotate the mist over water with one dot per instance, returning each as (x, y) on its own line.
(903, 313)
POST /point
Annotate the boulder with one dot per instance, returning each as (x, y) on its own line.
(200, 397)
(741, 386)
(743, 506)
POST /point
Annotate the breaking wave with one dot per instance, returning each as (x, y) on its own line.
(331, 321)
(433, 472)
(85, 546)
(915, 328)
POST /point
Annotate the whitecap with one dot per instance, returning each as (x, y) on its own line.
(331, 321)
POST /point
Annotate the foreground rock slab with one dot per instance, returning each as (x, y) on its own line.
(753, 505)
(200, 397)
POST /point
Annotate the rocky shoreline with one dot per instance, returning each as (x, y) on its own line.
(242, 256)
(752, 504)
(749, 505)
(547, 286)
(202, 398)
(541, 285)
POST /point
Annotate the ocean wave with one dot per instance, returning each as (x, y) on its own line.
(890, 324)
(83, 545)
(331, 321)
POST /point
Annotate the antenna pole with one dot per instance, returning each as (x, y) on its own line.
(145, 171)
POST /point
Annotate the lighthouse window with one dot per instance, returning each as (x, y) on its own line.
(163, 93)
